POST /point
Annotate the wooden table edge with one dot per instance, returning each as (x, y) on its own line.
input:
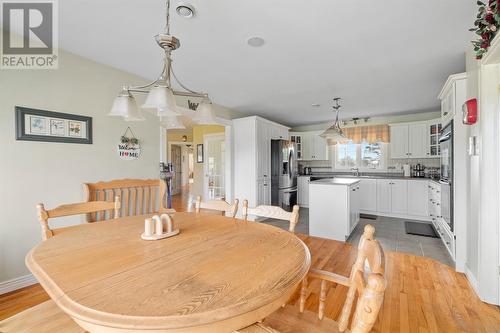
(96, 321)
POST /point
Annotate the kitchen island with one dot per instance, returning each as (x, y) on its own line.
(333, 208)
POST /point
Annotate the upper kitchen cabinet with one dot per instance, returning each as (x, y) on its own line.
(310, 146)
(451, 97)
(409, 140)
(433, 129)
(399, 141)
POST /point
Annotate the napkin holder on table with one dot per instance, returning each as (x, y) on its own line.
(159, 227)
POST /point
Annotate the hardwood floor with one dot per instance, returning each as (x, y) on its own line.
(422, 295)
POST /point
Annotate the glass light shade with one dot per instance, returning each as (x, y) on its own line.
(162, 100)
(334, 133)
(205, 114)
(125, 106)
(173, 122)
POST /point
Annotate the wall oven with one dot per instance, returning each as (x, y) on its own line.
(446, 180)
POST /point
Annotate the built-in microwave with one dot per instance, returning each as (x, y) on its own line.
(446, 180)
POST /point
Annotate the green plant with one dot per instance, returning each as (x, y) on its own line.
(486, 26)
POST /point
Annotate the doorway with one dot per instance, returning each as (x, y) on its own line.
(176, 159)
(214, 166)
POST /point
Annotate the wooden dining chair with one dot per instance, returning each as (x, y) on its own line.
(74, 209)
(218, 205)
(273, 212)
(47, 317)
(138, 196)
(368, 287)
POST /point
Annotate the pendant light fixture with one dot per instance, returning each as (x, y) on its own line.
(160, 94)
(334, 132)
(172, 122)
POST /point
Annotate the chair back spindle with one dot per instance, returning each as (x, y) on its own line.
(138, 196)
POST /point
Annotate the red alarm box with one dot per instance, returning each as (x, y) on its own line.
(469, 111)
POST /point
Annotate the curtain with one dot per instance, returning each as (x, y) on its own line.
(369, 134)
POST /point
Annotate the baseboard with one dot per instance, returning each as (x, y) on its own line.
(17, 283)
(472, 280)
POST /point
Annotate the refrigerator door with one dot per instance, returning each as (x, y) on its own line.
(288, 177)
(288, 198)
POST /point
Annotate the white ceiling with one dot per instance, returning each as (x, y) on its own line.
(381, 57)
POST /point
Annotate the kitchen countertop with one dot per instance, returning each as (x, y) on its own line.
(367, 176)
(336, 181)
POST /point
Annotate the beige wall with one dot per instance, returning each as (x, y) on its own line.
(176, 135)
(53, 173)
(198, 133)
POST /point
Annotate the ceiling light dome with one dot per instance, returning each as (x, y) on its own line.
(185, 10)
(256, 41)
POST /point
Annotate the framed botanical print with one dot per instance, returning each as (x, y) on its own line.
(41, 125)
(199, 153)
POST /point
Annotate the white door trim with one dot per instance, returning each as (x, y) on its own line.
(206, 137)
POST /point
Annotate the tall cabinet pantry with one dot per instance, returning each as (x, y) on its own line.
(252, 158)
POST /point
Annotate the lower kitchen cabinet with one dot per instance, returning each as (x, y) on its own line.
(333, 210)
(303, 191)
(418, 198)
(399, 196)
(368, 195)
(383, 198)
(392, 196)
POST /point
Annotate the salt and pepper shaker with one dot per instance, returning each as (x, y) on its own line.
(149, 227)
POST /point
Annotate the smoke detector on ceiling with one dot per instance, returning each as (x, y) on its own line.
(185, 10)
(256, 41)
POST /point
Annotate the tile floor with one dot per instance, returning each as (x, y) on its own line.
(389, 231)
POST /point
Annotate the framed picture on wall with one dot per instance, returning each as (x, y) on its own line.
(48, 126)
(199, 153)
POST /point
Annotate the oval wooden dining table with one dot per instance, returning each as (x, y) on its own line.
(219, 274)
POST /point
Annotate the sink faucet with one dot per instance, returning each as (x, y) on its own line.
(355, 171)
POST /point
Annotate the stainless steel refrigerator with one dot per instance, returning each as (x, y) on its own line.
(283, 174)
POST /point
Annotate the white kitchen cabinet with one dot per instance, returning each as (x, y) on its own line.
(303, 191)
(399, 196)
(252, 158)
(399, 141)
(418, 198)
(417, 140)
(433, 131)
(313, 147)
(354, 198)
(383, 195)
(333, 210)
(297, 138)
(448, 103)
(409, 140)
(368, 195)
(392, 196)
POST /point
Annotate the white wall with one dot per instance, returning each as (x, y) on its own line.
(53, 173)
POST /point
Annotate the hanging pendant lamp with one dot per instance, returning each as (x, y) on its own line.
(334, 132)
(160, 94)
(172, 122)
(205, 114)
(125, 106)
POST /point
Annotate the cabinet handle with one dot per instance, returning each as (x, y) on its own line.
(448, 243)
(265, 184)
